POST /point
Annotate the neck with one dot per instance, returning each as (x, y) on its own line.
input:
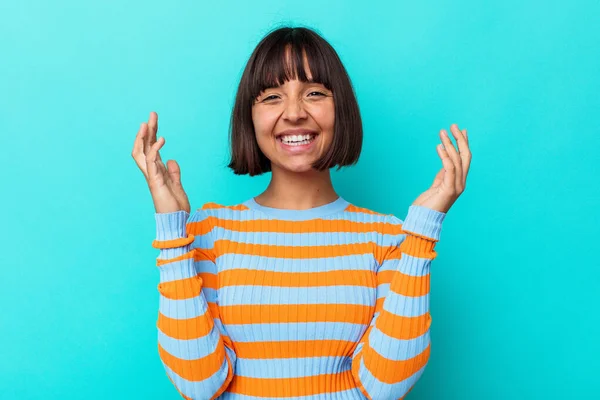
(297, 190)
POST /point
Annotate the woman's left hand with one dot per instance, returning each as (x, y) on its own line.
(450, 181)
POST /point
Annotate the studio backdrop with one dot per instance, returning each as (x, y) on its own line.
(515, 286)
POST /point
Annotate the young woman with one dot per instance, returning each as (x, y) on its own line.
(294, 293)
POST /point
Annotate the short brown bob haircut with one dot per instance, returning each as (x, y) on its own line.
(267, 68)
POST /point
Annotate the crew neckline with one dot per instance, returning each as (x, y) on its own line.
(299, 215)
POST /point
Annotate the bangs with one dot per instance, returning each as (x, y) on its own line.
(282, 59)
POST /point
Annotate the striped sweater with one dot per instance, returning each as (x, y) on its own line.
(330, 302)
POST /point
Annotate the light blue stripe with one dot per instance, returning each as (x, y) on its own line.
(350, 394)
(183, 309)
(204, 389)
(417, 266)
(280, 368)
(382, 290)
(271, 295)
(192, 349)
(397, 349)
(203, 241)
(354, 262)
(168, 254)
(406, 306)
(181, 269)
(381, 390)
(252, 215)
(294, 331)
(205, 266)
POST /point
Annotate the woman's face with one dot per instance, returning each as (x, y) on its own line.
(283, 116)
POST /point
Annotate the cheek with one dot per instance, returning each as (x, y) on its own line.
(263, 123)
(325, 116)
(326, 120)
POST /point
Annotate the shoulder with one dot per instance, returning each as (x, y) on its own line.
(211, 215)
(210, 211)
(369, 215)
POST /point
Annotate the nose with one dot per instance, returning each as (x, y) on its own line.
(294, 110)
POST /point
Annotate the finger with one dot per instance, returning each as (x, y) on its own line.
(151, 159)
(466, 156)
(461, 141)
(449, 169)
(138, 143)
(138, 150)
(174, 171)
(149, 140)
(151, 134)
(147, 143)
(463, 149)
(175, 182)
(439, 177)
(454, 156)
(153, 125)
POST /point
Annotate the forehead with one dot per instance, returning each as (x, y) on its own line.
(290, 63)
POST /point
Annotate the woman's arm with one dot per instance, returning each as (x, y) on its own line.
(394, 350)
(194, 348)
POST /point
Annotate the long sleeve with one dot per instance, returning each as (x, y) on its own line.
(193, 346)
(393, 352)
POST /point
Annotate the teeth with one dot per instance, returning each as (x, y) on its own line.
(296, 138)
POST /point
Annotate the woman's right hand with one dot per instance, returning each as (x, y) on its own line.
(164, 181)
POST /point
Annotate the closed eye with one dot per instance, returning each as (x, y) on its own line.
(273, 96)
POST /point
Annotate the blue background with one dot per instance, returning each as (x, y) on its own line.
(515, 286)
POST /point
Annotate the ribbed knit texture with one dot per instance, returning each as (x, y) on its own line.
(326, 303)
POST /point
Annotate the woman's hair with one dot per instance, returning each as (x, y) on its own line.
(267, 67)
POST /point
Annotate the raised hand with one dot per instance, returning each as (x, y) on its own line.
(450, 181)
(163, 181)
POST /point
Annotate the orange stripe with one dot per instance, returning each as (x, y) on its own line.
(411, 245)
(209, 280)
(418, 246)
(355, 209)
(403, 327)
(413, 286)
(294, 349)
(169, 244)
(379, 304)
(237, 277)
(282, 226)
(160, 262)
(283, 313)
(295, 252)
(185, 329)
(181, 289)
(195, 370)
(292, 387)
(390, 371)
(204, 255)
(212, 205)
(385, 276)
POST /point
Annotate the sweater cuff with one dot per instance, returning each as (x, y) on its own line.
(424, 221)
(171, 229)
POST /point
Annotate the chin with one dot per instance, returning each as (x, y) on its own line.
(299, 168)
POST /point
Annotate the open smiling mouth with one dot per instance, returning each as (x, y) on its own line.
(297, 140)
